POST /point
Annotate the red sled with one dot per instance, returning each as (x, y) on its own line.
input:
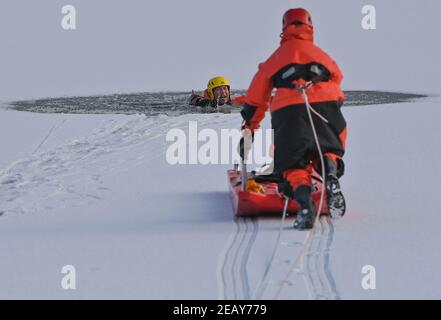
(268, 201)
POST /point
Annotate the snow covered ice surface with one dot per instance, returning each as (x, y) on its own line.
(96, 192)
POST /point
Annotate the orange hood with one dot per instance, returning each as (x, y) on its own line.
(301, 32)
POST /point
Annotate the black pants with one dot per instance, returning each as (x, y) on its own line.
(294, 141)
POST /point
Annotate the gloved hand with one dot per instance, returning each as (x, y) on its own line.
(197, 100)
(192, 100)
(246, 142)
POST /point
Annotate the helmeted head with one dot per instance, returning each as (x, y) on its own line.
(218, 88)
(296, 16)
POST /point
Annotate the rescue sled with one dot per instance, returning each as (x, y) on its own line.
(260, 195)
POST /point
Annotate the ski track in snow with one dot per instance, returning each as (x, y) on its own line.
(72, 174)
(312, 263)
(233, 275)
(332, 286)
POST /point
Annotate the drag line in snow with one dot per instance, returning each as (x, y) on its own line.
(246, 255)
(306, 246)
(233, 276)
(312, 262)
(332, 287)
(55, 126)
(242, 232)
(317, 272)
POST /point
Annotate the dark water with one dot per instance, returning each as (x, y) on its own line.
(172, 103)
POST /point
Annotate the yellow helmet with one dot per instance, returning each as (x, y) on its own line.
(214, 83)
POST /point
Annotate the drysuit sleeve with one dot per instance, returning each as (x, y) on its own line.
(239, 100)
(257, 99)
(198, 101)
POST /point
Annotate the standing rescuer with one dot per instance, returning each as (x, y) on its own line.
(296, 62)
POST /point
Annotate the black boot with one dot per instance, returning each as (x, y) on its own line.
(335, 199)
(306, 216)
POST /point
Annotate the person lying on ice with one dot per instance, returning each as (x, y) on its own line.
(217, 94)
(296, 62)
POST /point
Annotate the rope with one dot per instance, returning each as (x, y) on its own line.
(307, 241)
(263, 282)
(309, 237)
(319, 149)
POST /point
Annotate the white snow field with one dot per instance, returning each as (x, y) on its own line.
(96, 192)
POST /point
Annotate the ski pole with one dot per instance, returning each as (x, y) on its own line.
(244, 156)
(244, 175)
